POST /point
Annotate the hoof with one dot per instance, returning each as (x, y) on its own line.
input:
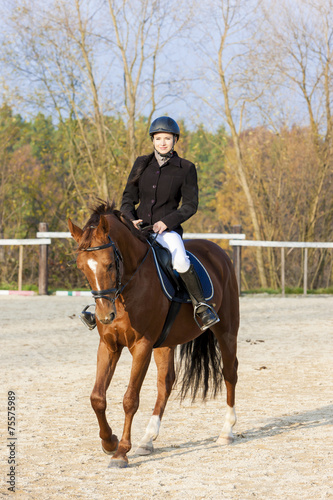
(110, 447)
(225, 440)
(108, 452)
(144, 449)
(118, 463)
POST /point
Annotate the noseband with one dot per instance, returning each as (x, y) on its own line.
(103, 294)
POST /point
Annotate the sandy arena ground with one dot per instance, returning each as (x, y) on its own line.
(284, 434)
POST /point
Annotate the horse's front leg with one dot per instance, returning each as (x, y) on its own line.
(141, 358)
(164, 359)
(106, 364)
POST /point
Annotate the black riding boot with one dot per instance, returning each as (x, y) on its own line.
(88, 318)
(205, 312)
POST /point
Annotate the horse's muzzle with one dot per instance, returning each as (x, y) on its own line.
(107, 319)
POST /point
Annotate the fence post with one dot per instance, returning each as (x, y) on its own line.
(283, 288)
(43, 267)
(305, 271)
(20, 271)
(237, 257)
(2, 250)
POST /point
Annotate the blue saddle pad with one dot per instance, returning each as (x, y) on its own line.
(181, 295)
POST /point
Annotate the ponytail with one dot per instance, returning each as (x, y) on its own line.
(143, 162)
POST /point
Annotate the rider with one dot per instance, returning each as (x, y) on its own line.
(158, 182)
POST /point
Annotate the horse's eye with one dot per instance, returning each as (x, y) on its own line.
(110, 266)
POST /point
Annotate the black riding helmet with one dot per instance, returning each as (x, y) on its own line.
(164, 124)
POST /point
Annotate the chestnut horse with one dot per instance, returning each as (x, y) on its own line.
(130, 311)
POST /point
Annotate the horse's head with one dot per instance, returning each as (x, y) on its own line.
(99, 260)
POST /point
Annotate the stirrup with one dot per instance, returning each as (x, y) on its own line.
(88, 318)
(211, 319)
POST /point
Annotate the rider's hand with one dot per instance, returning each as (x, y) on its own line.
(159, 227)
(136, 223)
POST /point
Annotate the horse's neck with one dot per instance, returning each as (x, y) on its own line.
(131, 248)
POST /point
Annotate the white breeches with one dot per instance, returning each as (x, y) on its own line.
(174, 243)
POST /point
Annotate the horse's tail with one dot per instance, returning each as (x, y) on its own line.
(200, 366)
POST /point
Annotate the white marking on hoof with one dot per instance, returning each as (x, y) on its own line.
(145, 446)
(224, 440)
(226, 436)
(108, 452)
(144, 449)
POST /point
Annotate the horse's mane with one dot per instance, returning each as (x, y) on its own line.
(106, 208)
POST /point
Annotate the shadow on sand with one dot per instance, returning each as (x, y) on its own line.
(282, 425)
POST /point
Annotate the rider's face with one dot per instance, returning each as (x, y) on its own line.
(163, 142)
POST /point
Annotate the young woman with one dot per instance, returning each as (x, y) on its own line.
(162, 192)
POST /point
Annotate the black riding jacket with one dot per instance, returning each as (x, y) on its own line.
(159, 191)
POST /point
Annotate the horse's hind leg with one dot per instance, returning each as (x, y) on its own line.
(226, 436)
(228, 345)
(106, 364)
(164, 358)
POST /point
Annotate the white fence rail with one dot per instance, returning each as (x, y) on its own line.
(44, 241)
(214, 236)
(236, 240)
(20, 244)
(53, 234)
(281, 244)
(206, 236)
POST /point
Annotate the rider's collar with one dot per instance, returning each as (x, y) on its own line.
(173, 159)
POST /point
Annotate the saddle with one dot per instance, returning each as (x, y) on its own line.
(172, 285)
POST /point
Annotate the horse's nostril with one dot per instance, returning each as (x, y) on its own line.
(106, 320)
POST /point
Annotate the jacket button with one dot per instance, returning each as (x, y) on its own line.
(154, 186)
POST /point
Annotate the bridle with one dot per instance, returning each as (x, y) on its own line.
(104, 294)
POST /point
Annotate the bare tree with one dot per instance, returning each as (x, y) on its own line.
(53, 57)
(302, 37)
(90, 65)
(230, 51)
(142, 30)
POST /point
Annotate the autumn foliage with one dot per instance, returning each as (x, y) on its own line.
(44, 178)
(80, 86)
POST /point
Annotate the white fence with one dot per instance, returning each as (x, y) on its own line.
(236, 240)
(44, 241)
(205, 236)
(283, 244)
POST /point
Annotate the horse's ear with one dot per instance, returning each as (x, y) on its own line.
(103, 225)
(76, 231)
